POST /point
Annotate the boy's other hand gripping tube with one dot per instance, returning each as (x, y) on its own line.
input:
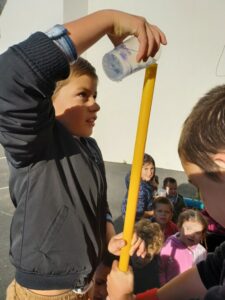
(148, 295)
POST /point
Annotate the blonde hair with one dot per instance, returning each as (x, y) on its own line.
(152, 235)
(79, 68)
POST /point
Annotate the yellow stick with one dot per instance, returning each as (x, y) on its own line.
(141, 134)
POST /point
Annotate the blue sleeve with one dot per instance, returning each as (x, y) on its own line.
(124, 202)
(141, 201)
(124, 206)
(147, 196)
(144, 198)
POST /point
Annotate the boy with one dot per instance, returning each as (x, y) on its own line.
(202, 153)
(163, 213)
(61, 223)
(170, 186)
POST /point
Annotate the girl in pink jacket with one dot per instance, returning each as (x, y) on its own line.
(183, 250)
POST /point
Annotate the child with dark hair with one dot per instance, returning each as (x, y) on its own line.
(170, 186)
(146, 190)
(163, 213)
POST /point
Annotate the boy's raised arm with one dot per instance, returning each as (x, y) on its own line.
(85, 31)
(186, 286)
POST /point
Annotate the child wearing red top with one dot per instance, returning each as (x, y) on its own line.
(163, 213)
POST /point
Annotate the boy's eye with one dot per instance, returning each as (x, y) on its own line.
(82, 94)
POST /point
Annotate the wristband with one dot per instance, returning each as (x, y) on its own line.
(59, 35)
(148, 295)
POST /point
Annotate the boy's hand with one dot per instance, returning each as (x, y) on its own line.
(117, 243)
(150, 36)
(120, 284)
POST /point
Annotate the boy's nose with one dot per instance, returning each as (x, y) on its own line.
(93, 104)
(96, 106)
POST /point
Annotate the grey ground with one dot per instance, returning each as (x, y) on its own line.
(116, 190)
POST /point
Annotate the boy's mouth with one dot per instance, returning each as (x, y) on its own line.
(91, 121)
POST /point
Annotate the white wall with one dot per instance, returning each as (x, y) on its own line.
(187, 67)
(74, 9)
(20, 18)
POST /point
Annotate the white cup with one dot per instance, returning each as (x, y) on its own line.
(121, 61)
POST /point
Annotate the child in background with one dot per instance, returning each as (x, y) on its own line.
(146, 270)
(163, 213)
(146, 190)
(183, 250)
(170, 186)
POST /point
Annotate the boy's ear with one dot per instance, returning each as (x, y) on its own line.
(219, 159)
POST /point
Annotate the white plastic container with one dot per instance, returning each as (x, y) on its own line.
(121, 61)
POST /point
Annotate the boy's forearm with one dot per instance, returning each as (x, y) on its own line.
(186, 286)
(85, 31)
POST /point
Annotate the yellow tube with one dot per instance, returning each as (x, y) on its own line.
(141, 135)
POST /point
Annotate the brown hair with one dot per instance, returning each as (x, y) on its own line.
(162, 200)
(79, 68)
(203, 132)
(168, 180)
(148, 159)
(152, 234)
(193, 215)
